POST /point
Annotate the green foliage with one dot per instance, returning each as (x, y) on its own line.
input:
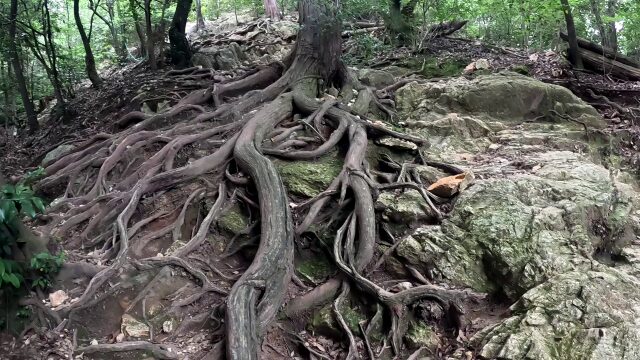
(16, 201)
(366, 47)
(45, 266)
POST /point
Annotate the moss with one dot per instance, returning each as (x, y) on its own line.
(434, 67)
(521, 69)
(421, 335)
(324, 322)
(234, 220)
(309, 178)
(316, 269)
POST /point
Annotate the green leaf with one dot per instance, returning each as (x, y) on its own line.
(27, 208)
(38, 204)
(12, 279)
(1, 267)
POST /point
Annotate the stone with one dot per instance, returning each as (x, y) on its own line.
(451, 185)
(396, 143)
(482, 64)
(429, 174)
(376, 78)
(309, 178)
(120, 338)
(58, 298)
(94, 342)
(285, 29)
(234, 220)
(168, 326)
(324, 323)
(57, 153)
(404, 208)
(421, 335)
(577, 315)
(133, 328)
(226, 59)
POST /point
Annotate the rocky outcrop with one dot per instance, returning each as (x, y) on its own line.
(548, 224)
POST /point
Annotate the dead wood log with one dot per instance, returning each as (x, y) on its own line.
(446, 28)
(614, 68)
(606, 52)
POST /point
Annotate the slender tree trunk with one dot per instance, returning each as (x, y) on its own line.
(199, 18)
(32, 120)
(138, 27)
(271, 9)
(180, 49)
(89, 61)
(151, 51)
(612, 34)
(573, 54)
(599, 24)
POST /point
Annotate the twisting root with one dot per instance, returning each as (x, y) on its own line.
(256, 297)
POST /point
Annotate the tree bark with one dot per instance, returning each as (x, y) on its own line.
(138, 27)
(150, 45)
(573, 54)
(180, 49)
(89, 60)
(199, 18)
(32, 120)
(271, 9)
(612, 33)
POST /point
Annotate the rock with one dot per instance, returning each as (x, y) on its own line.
(94, 342)
(234, 220)
(482, 64)
(504, 97)
(376, 78)
(396, 143)
(588, 314)
(429, 174)
(120, 338)
(57, 152)
(324, 323)
(58, 298)
(451, 185)
(405, 207)
(285, 29)
(525, 228)
(309, 178)
(421, 335)
(168, 326)
(133, 328)
(226, 59)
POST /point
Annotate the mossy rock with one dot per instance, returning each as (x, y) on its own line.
(324, 322)
(316, 269)
(309, 178)
(234, 220)
(421, 335)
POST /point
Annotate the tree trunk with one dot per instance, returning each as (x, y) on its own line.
(400, 20)
(599, 24)
(150, 46)
(32, 120)
(138, 27)
(612, 33)
(199, 18)
(271, 9)
(573, 54)
(89, 60)
(180, 49)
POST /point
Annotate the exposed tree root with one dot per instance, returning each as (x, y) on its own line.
(110, 185)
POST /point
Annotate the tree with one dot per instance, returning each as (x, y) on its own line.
(180, 49)
(199, 18)
(400, 19)
(32, 120)
(89, 60)
(573, 51)
(271, 9)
